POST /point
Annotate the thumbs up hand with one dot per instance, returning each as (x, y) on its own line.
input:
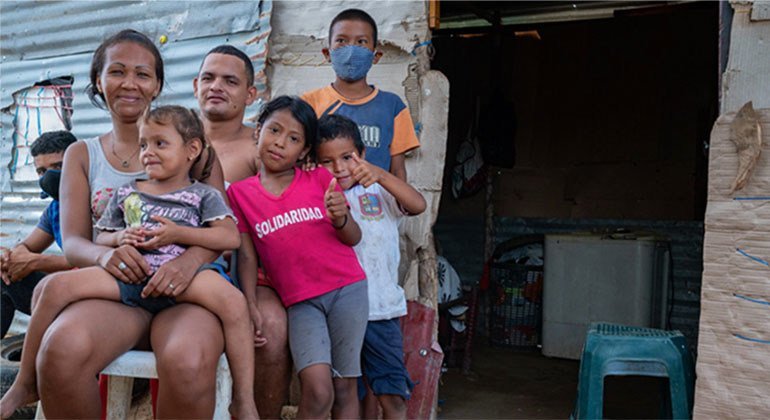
(331, 189)
(365, 173)
(336, 205)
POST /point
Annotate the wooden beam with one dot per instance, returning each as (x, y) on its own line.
(434, 14)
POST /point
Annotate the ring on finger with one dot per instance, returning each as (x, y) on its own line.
(171, 286)
(122, 266)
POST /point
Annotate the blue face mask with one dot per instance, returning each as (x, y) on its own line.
(351, 62)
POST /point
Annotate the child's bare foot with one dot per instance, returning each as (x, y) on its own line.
(244, 408)
(18, 395)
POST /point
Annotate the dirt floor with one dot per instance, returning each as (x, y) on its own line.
(513, 384)
(506, 383)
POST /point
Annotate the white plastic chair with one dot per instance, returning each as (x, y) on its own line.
(141, 364)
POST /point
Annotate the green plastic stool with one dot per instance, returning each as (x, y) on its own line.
(623, 350)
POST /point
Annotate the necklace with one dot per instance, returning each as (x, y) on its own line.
(123, 162)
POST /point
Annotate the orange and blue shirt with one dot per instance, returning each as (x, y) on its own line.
(383, 119)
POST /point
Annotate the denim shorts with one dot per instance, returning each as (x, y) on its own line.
(329, 329)
(382, 358)
(131, 294)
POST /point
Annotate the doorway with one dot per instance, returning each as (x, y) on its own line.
(593, 122)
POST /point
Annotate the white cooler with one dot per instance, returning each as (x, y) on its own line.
(620, 278)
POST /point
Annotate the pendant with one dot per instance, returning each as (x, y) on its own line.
(125, 164)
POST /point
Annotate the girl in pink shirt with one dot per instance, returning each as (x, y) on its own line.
(299, 224)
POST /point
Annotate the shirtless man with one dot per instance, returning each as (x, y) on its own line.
(224, 88)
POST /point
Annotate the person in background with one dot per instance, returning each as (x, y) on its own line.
(386, 126)
(23, 266)
(378, 200)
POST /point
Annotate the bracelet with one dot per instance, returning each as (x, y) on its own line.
(99, 257)
(345, 222)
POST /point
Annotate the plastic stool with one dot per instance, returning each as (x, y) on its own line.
(141, 364)
(622, 350)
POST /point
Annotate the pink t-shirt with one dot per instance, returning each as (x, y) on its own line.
(294, 238)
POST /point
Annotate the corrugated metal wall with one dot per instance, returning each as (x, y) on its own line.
(41, 40)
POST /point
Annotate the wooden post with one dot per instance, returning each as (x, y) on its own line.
(434, 14)
(423, 356)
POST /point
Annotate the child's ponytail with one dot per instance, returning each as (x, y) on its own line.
(206, 148)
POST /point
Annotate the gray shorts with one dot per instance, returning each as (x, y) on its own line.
(330, 329)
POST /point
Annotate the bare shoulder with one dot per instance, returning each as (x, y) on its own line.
(247, 144)
(239, 155)
(77, 150)
(76, 155)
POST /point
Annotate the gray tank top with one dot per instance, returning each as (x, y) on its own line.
(103, 179)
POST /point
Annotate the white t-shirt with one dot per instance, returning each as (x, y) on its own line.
(377, 213)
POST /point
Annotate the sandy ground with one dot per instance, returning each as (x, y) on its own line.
(507, 384)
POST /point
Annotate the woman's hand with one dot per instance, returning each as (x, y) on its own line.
(171, 279)
(125, 263)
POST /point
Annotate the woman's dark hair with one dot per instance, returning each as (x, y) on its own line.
(335, 126)
(100, 56)
(190, 127)
(301, 112)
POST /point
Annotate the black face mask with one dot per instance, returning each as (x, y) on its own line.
(49, 182)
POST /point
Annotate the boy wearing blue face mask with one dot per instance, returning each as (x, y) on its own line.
(386, 127)
(23, 266)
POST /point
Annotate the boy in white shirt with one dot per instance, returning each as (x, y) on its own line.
(377, 199)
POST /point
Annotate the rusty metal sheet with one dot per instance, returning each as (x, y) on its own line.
(33, 29)
(64, 41)
(423, 357)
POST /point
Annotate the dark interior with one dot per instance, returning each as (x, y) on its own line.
(584, 124)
